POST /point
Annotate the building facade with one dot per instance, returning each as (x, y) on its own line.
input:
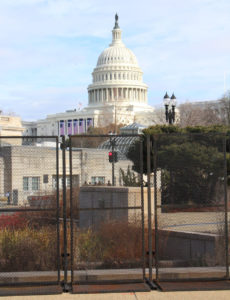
(10, 126)
(27, 171)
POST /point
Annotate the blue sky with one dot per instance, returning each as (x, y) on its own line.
(48, 49)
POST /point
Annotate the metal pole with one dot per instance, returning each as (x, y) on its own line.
(149, 209)
(64, 210)
(112, 142)
(71, 209)
(155, 209)
(57, 210)
(226, 209)
(142, 207)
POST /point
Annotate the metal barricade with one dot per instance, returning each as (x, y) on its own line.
(29, 215)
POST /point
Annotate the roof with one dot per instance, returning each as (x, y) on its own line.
(133, 126)
(122, 145)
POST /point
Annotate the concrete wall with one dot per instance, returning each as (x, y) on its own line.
(193, 248)
(91, 197)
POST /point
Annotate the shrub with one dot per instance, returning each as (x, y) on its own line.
(115, 243)
(28, 249)
(13, 221)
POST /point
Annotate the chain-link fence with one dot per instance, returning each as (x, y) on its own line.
(191, 225)
(113, 209)
(29, 211)
(107, 209)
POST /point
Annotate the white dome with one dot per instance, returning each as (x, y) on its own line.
(117, 55)
(117, 76)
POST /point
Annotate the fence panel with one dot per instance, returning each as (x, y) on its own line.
(29, 213)
(107, 209)
(190, 207)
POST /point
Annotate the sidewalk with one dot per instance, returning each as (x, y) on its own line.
(153, 295)
(117, 274)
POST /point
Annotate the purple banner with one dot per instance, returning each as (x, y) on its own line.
(81, 126)
(75, 126)
(62, 127)
(70, 126)
(89, 123)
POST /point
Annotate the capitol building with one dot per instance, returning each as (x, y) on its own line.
(116, 95)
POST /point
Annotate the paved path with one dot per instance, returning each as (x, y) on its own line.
(115, 274)
(153, 295)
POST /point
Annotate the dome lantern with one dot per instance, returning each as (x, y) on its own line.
(116, 33)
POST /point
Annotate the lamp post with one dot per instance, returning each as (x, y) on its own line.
(113, 144)
(170, 105)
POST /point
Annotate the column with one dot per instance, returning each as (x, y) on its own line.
(111, 94)
(106, 95)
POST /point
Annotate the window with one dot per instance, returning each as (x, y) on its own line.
(35, 183)
(25, 183)
(54, 181)
(68, 181)
(31, 183)
(98, 180)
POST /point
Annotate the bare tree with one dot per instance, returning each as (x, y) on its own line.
(223, 109)
(159, 116)
(200, 113)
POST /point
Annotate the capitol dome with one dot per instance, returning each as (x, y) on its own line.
(117, 77)
(117, 55)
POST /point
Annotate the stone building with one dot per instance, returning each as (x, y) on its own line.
(10, 126)
(117, 95)
(31, 170)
